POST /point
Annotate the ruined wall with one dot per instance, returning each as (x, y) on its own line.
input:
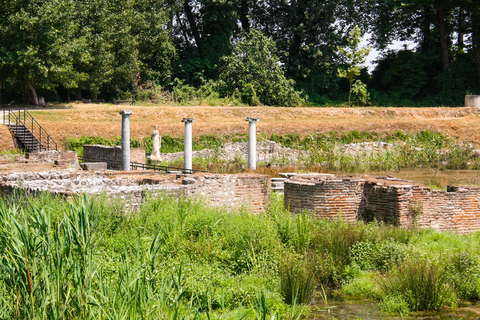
(390, 200)
(111, 155)
(232, 191)
(60, 157)
(329, 198)
(250, 191)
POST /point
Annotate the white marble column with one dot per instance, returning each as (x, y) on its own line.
(187, 150)
(125, 139)
(252, 142)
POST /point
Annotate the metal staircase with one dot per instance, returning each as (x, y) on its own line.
(29, 134)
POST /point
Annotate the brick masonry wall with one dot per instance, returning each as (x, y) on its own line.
(330, 199)
(111, 155)
(249, 191)
(385, 199)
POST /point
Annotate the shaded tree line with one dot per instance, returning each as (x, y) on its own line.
(256, 50)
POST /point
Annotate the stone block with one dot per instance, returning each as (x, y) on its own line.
(94, 166)
(472, 101)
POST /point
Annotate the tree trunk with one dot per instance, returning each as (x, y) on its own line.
(460, 42)
(350, 91)
(476, 39)
(476, 51)
(78, 95)
(182, 27)
(244, 16)
(426, 44)
(193, 24)
(442, 28)
(33, 92)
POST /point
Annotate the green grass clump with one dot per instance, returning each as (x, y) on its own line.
(297, 278)
(422, 285)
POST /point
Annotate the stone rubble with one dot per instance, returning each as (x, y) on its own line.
(267, 152)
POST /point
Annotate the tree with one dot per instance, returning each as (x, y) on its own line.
(307, 33)
(255, 72)
(39, 44)
(353, 56)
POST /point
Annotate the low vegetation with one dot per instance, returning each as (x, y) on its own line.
(177, 258)
(328, 151)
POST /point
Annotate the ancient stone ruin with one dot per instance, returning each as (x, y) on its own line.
(232, 191)
(386, 199)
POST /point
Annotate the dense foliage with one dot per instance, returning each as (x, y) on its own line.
(128, 49)
(177, 258)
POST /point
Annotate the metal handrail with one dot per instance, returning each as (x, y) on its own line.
(140, 165)
(46, 142)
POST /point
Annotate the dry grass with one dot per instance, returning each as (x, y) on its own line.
(6, 141)
(104, 120)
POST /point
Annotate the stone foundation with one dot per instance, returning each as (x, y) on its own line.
(390, 200)
(232, 191)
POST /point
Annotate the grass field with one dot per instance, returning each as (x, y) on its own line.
(75, 120)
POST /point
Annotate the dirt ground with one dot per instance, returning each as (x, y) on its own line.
(75, 120)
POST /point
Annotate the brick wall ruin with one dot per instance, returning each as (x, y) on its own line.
(232, 191)
(387, 199)
(111, 155)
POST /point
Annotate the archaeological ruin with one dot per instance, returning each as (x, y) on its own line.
(388, 199)
(250, 191)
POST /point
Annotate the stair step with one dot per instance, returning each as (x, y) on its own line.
(26, 138)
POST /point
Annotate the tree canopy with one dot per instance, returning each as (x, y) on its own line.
(269, 51)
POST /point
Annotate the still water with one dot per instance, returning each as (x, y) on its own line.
(338, 307)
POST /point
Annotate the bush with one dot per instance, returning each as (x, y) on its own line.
(464, 273)
(363, 284)
(360, 95)
(376, 256)
(394, 304)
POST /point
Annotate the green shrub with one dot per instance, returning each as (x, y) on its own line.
(394, 304)
(362, 284)
(464, 273)
(360, 95)
(376, 256)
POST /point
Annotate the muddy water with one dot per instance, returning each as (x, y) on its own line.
(344, 308)
(435, 178)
